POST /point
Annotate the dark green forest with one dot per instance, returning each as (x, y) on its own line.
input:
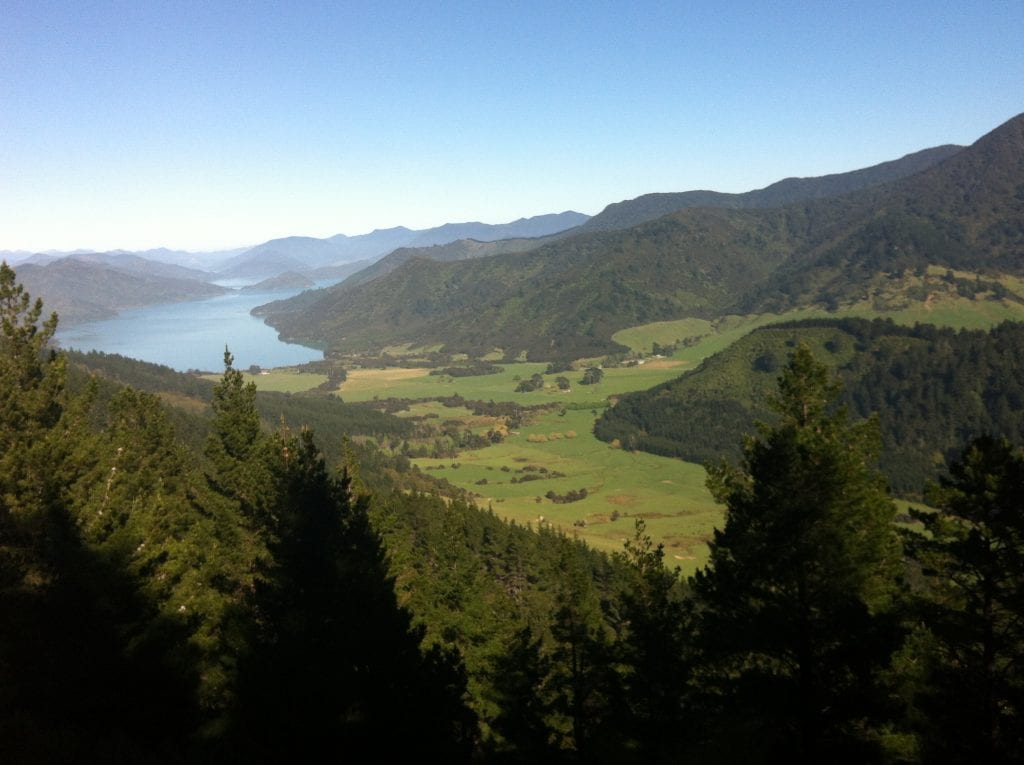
(933, 390)
(180, 587)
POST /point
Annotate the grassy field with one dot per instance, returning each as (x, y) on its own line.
(708, 337)
(283, 379)
(367, 384)
(560, 454)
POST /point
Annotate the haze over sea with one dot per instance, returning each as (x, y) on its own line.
(192, 335)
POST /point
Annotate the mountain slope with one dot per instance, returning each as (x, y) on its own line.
(965, 213)
(461, 249)
(565, 299)
(933, 389)
(81, 291)
(131, 263)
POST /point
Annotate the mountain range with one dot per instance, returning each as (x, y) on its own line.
(826, 246)
(301, 253)
(121, 279)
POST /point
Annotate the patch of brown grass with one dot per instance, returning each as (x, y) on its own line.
(623, 500)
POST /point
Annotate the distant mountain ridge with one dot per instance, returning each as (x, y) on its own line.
(648, 207)
(567, 298)
(81, 290)
(298, 253)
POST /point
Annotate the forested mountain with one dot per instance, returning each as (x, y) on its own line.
(566, 299)
(461, 249)
(645, 208)
(244, 601)
(932, 389)
(91, 288)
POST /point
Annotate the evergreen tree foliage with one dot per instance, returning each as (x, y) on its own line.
(971, 554)
(933, 389)
(655, 649)
(237, 470)
(336, 666)
(79, 679)
(520, 689)
(32, 399)
(792, 608)
(583, 682)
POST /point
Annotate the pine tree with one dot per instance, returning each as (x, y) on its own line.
(583, 680)
(239, 468)
(520, 688)
(76, 685)
(32, 400)
(792, 608)
(335, 665)
(971, 554)
(655, 648)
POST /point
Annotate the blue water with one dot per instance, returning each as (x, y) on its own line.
(192, 335)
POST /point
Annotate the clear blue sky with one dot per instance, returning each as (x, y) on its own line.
(202, 125)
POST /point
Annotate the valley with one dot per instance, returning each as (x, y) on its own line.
(555, 448)
(506, 471)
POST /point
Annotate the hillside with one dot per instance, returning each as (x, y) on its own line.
(287, 280)
(64, 284)
(966, 213)
(562, 299)
(461, 249)
(933, 390)
(566, 299)
(146, 267)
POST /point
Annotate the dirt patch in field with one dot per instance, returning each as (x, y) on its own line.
(623, 500)
(665, 363)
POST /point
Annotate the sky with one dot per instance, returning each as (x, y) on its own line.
(211, 125)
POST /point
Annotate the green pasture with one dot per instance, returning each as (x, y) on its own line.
(368, 384)
(709, 337)
(668, 494)
(282, 380)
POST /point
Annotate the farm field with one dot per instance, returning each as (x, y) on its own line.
(368, 384)
(558, 453)
(281, 379)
